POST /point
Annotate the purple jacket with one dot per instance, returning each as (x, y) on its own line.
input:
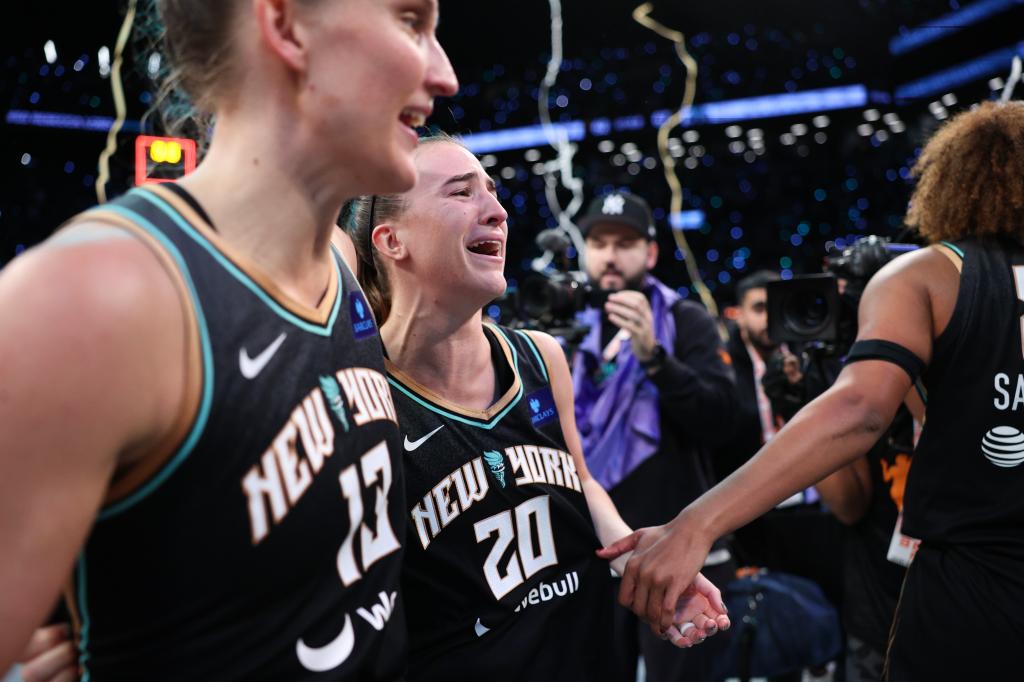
(618, 418)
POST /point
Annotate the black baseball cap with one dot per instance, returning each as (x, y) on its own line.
(621, 208)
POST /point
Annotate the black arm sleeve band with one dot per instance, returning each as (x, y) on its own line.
(876, 349)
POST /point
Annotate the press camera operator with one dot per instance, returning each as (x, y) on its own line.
(867, 495)
(654, 388)
(779, 539)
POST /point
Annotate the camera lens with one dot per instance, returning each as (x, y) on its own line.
(537, 297)
(806, 313)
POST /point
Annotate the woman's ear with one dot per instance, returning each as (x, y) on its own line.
(388, 243)
(280, 31)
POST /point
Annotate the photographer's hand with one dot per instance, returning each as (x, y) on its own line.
(630, 311)
(791, 368)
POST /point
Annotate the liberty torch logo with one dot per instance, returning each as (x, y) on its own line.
(497, 464)
(332, 391)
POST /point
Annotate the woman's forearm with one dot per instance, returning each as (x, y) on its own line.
(607, 521)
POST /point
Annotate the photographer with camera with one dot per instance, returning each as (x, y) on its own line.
(818, 314)
(653, 387)
(778, 540)
(950, 316)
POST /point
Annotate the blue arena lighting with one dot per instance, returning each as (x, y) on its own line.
(687, 220)
(600, 127)
(955, 76)
(660, 116)
(518, 138)
(767, 106)
(635, 122)
(787, 104)
(948, 24)
(53, 119)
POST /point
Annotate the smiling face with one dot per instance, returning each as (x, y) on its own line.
(374, 68)
(452, 228)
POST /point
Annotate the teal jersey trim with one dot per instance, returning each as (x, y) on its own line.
(536, 354)
(207, 393)
(488, 425)
(243, 278)
(922, 392)
(83, 612)
(954, 248)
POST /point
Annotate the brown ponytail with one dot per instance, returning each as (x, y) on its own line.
(359, 225)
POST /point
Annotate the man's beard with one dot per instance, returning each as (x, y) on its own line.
(632, 284)
(762, 343)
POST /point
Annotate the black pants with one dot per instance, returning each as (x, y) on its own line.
(665, 662)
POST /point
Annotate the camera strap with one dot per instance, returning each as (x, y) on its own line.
(877, 349)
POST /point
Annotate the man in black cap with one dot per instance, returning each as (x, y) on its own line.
(654, 389)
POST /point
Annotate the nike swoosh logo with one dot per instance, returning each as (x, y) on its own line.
(251, 367)
(412, 445)
(480, 628)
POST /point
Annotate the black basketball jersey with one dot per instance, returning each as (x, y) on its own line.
(265, 546)
(959, 612)
(966, 486)
(501, 580)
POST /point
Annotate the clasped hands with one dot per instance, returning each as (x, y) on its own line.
(662, 584)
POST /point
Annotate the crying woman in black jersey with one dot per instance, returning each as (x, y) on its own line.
(501, 580)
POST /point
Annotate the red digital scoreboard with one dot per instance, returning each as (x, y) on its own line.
(163, 159)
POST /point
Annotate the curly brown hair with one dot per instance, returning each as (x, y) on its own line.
(971, 176)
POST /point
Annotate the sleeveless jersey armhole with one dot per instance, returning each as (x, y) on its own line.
(128, 478)
(542, 365)
(953, 253)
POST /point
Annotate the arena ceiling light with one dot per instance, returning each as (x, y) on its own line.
(687, 220)
(50, 52)
(103, 61)
(960, 74)
(948, 24)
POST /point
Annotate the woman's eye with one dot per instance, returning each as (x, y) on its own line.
(413, 20)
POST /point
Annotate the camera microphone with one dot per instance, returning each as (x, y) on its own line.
(553, 240)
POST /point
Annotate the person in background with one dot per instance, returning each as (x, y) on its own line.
(948, 315)
(654, 389)
(778, 540)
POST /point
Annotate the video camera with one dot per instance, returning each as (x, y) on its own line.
(812, 308)
(550, 300)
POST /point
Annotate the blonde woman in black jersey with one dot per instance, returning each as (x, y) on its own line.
(173, 397)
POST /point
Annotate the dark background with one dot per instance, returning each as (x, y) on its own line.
(778, 203)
